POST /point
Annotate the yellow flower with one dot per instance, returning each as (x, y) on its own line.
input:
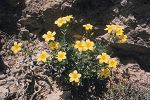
(54, 45)
(105, 72)
(119, 27)
(88, 27)
(42, 56)
(60, 21)
(68, 18)
(119, 32)
(104, 58)
(110, 28)
(16, 47)
(61, 56)
(74, 76)
(112, 63)
(89, 45)
(49, 36)
(80, 45)
(123, 38)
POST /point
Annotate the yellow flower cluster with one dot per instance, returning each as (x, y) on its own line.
(74, 76)
(63, 20)
(88, 27)
(44, 55)
(106, 59)
(49, 36)
(16, 47)
(84, 45)
(118, 30)
(52, 45)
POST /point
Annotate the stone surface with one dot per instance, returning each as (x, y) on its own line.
(38, 16)
(10, 13)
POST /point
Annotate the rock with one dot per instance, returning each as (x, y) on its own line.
(140, 53)
(11, 11)
(3, 92)
(39, 15)
(134, 16)
(2, 82)
(3, 67)
(137, 25)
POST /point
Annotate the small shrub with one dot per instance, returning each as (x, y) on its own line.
(82, 65)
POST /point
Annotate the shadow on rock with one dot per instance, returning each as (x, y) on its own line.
(11, 11)
(3, 67)
(140, 53)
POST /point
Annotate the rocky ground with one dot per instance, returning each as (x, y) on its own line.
(37, 16)
(23, 79)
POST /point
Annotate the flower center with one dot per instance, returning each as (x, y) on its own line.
(103, 58)
(49, 36)
(61, 56)
(112, 62)
(17, 47)
(43, 56)
(74, 76)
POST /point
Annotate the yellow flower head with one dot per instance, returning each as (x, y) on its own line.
(105, 72)
(54, 45)
(16, 47)
(119, 32)
(68, 18)
(89, 44)
(42, 56)
(60, 21)
(113, 63)
(104, 58)
(119, 27)
(88, 27)
(80, 45)
(49, 36)
(110, 28)
(74, 76)
(61, 56)
(123, 38)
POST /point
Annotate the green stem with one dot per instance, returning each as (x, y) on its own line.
(64, 38)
